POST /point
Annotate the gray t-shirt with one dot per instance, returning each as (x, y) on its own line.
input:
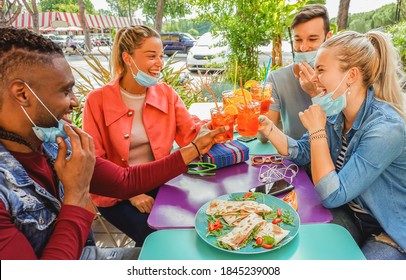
(290, 99)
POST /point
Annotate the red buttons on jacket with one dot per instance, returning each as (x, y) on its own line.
(126, 136)
(130, 113)
(123, 160)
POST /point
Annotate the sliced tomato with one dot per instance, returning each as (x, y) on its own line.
(279, 212)
(259, 240)
(211, 226)
(219, 226)
(267, 246)
(216, 225)
(276, 221)
(248, 194)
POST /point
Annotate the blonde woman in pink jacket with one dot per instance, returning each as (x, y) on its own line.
(134, 120)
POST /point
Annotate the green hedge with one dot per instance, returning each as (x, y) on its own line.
(398, 32)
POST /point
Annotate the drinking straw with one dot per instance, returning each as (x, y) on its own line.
(266, 76)
(212, 94)
(235, 74)
(267, 69)
(242, 90)
(209, 89)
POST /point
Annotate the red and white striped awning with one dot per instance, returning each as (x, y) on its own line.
(93, 21)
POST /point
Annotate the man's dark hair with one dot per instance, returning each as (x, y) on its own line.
(20, 49)
(310, 12)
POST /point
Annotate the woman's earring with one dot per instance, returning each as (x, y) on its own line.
(349, 90)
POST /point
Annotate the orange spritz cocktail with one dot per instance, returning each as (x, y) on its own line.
(247, 118)
(236, 97)
(263, 94)
(227, 97)
(231, 100)
(221, 118)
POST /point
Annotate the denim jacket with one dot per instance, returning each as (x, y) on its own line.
(32, 208)
(374, 170)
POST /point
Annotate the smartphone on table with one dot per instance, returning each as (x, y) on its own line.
(274, 188)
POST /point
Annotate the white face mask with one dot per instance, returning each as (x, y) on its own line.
(46, 134)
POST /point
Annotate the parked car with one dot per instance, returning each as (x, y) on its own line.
(61, 40)
(79, 40)
(209, 53)
(56, 39)
(177, 42)
(49, 36)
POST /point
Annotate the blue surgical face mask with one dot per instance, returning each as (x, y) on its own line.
(309, 57)
(329, 105)
(143, 78)
(46, 134)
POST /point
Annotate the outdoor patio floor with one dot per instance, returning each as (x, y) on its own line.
(103, 239)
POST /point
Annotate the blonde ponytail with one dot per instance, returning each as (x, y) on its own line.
(388, 75)
(117, 63)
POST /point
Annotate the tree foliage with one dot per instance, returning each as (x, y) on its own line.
(247, 24)
(9, 11)
(31, 7)
(70, 6)
(171, 8)
(119, 7)
(398, 32)
(363, 22)
(401, 5)
(193, 27)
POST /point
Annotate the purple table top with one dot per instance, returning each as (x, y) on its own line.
(179, 199)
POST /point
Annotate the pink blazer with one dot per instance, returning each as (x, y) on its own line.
(108, 120)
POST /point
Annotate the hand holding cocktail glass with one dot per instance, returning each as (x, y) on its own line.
(247, 119)
(248, 113)
(220, 118)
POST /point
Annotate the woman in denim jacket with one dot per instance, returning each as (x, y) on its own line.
(356, 139)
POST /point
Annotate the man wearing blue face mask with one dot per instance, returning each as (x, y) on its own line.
(292, 88)
(48, 168)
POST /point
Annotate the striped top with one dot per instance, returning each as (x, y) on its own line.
(339, 164)
(340, 159)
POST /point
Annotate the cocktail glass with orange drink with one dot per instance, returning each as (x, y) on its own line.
(262, 93)
(232, 98)
(227, 97)
(220, 118)
(247, 118)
